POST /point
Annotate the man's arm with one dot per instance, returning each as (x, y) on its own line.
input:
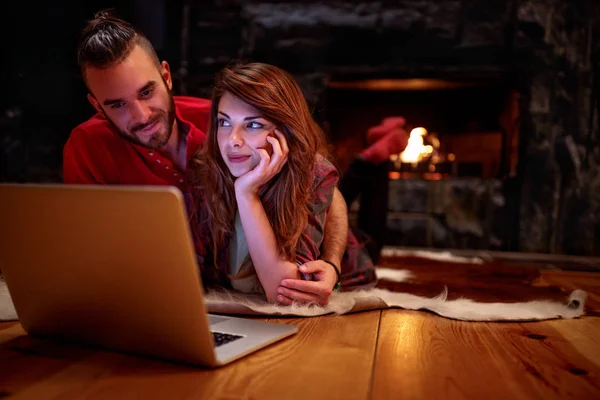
(333, 247)
(336, 230)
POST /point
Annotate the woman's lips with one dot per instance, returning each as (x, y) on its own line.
(237, 158)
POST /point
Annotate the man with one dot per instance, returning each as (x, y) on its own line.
(143, 134)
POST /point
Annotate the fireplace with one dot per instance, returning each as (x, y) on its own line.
(447, 188)
(530, 184)
(544, 198)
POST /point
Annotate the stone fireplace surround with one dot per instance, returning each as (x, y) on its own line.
(546, 51)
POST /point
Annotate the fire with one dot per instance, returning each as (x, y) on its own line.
(416, 150)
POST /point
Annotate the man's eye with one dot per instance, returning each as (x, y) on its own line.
(117, 105)
(255, 125)
(146, 93)
(223, 122)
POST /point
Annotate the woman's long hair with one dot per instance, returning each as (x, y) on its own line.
(286, 197)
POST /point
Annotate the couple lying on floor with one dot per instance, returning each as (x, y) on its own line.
(265, 210)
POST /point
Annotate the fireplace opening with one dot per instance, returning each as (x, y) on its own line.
(447, 189)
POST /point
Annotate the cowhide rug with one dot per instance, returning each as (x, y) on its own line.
(464, 289)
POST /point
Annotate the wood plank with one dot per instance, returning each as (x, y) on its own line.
(517, 256)
(331, 357)
(424, 356)
(590, 282)
(583, 335)
(9, 330)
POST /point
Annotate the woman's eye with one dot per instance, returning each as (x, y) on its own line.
(223, 122)
(255, 125)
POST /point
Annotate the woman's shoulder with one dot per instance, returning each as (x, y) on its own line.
(324, 168)
(325, 177)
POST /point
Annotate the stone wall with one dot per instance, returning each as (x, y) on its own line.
(547, 50)
(561, 173)
(544, 48)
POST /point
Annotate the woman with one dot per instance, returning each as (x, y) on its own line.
(265, 184)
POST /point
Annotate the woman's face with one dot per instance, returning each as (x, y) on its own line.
(241, 132)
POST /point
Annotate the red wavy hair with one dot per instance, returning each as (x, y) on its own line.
(277, 96)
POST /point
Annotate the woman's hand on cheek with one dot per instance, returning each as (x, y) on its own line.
(267, 168)
(251, 181)
(280, 150)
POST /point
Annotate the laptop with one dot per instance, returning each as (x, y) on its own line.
(115, 267)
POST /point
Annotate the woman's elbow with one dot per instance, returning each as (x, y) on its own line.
(271, 296)
(286, 270)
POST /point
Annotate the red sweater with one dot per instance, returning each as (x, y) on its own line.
(96, 154)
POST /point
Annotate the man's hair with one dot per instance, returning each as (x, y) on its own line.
(107, 40)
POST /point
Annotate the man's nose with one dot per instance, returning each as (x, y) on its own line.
(140, 113)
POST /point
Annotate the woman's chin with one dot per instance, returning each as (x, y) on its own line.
(236, 173)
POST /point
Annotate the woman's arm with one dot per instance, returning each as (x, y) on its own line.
(270, 266)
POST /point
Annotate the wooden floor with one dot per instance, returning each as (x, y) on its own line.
(389, 354)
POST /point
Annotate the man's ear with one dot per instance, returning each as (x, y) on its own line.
(94, 102)
(165, 71)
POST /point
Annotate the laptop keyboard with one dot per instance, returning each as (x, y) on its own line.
(221, 338)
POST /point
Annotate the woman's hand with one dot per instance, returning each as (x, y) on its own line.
(267, 168)
(303, 291)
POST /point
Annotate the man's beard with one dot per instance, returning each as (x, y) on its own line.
(160, 138)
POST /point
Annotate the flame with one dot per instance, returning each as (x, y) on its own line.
(416, 150)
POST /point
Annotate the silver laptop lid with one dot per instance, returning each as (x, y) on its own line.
(99, 264)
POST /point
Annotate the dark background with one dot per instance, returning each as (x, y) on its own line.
(549, 51)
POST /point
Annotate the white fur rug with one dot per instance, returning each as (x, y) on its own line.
(445, 256)
(349, 302)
